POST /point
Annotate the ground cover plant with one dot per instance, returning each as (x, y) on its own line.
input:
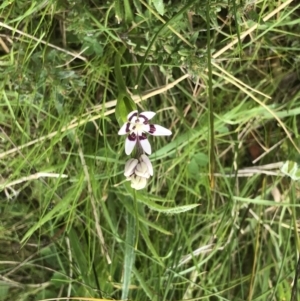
(211, 211)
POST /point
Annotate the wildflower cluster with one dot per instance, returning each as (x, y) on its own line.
(138, 170)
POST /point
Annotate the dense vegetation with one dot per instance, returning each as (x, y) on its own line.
(218, 220)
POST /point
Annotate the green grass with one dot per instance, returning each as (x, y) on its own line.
(219, 219)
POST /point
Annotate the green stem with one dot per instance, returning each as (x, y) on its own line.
(210, 101)
(129, 256)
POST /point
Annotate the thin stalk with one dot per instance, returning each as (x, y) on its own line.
(210, 102)
(129, 256)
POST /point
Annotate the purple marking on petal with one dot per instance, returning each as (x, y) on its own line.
(146, 120)
(152, 129)
(131, 116)
(160, 131)
(147, 115)
(132, 137)
(127, 127)
(143, 136)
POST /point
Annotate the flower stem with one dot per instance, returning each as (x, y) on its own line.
(129, 256)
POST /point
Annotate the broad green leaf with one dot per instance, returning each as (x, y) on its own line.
(129, 255)
(264, 202)
(5, 3)
(146, 222)
(128, 11)
(124, 106)
(5, 287)
(291, 169)
(154, 206)
(119, 10)
(168, 210)
(159, 5)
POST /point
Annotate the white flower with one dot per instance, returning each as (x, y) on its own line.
(138, 171)
(136, 127)
(130, 167)
(142, 167)
(145, 166)
(138, 182)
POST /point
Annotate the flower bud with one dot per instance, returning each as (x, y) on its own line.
(138, 171)
(138, 182)
(130, 167)
(142, 170)
(146, 160)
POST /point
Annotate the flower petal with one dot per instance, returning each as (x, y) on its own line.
(141, 170)
(130, 144)
(146, 128)
(131, 114)
(123, 130)
(148, 163)
(138, 182)
(130, 167)
(147, 115)
(145, 145)
(158, 130)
